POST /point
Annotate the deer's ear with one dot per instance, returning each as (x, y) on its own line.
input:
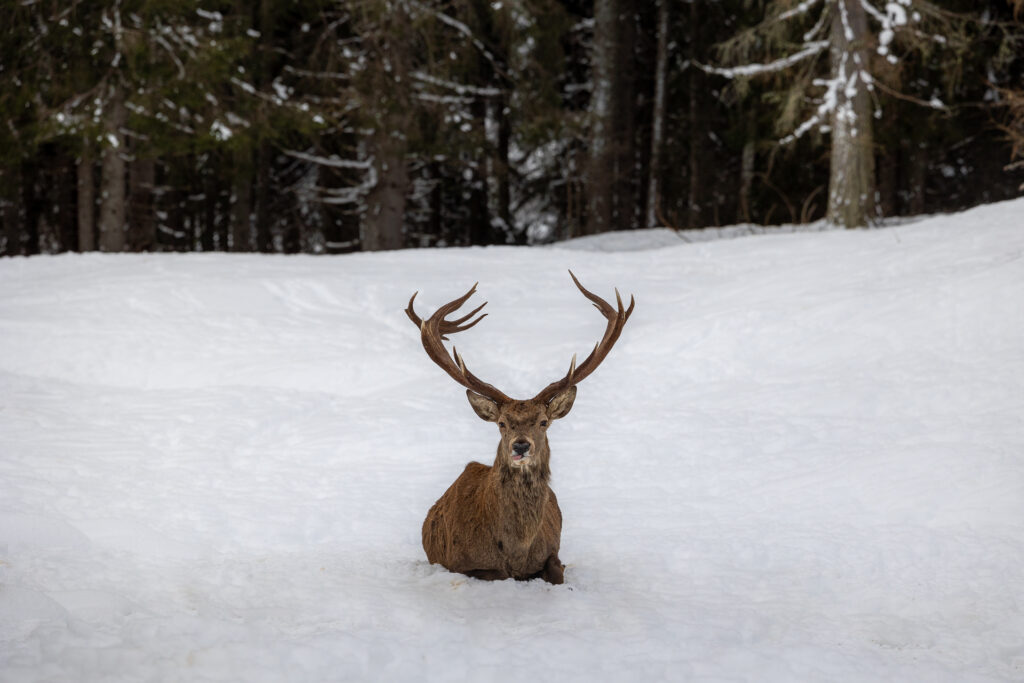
(484, 407)
(561, 404)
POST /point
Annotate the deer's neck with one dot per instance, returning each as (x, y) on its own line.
(522, 494)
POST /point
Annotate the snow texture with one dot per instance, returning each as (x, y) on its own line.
(802, 461)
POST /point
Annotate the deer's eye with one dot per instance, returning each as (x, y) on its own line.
(543, 423)
(501, 424)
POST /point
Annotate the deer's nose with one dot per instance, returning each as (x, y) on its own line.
(520, 447)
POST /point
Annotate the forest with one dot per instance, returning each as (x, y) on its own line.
(332, 126)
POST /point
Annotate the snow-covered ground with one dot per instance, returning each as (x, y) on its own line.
(804, 460)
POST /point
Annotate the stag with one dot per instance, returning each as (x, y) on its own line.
(502, 521)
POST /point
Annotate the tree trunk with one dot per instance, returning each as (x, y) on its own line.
(177, 223)
(241, 200)
(480, 232)
(746, 179)
(917, 159)
(67, 177)
(658, 117)
(223, 205)
(503, 210)
(142, 219)
(264, 153)
(627, 206)
(29, 239)
(438, 226)
(385, 203)
(693, 212)
(10, 210)
(291, 238)
(887, 164)
(112, 181)
(86, 200)
(600, 173)
(264, 232)
(851, 190)
(209, 219)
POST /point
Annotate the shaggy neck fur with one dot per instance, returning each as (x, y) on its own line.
(522, 492)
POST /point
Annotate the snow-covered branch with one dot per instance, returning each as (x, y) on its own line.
(829, 101)
(341, 195)
(813, 32)
(844, 16)
(799, 9)
(810, 50)
(332, 161)
(306, 73)
(895, 16)
(460, 88)
(801, 129)
(443, 99)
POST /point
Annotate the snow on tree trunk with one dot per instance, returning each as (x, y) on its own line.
(851, 201)
(658, 116)
(112, 182)
(600, 175)
(86, 201)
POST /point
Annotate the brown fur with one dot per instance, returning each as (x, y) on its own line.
(503, 521)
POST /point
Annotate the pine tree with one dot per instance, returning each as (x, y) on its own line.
(857, 36)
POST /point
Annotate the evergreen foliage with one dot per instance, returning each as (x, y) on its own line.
(337, 125)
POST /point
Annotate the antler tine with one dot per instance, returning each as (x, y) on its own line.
(454, 305)
(457, 326)
(411, 312)
(616, 318)
(432, 334)
(458, 359)
(599, 303)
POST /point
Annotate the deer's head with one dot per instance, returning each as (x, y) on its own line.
(523, 424)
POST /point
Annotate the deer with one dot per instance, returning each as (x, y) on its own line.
(503, 521)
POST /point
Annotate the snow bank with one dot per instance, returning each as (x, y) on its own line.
(802, 461)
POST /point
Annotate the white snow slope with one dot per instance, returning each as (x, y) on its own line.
(804, 460)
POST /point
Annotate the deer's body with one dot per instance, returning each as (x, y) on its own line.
(503, 521)
(493, 524)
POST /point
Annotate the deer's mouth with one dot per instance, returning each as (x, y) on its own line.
(520, 459)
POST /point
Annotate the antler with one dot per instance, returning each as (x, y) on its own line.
(616, 317)
(432, 333)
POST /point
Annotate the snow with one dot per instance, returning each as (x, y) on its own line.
(220, 131)
(802, 461)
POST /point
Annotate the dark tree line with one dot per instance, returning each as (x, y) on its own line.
(330, 126)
